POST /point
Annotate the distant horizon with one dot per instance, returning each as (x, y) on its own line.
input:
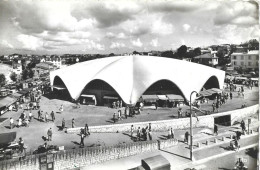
(120, 26)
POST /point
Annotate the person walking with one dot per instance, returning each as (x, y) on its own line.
(82, 136)
(86, 130)
(179, 113)
(21, 145)
(150, 135)
(243, 126)
(231, 95)
(46, 117)
(172, 134)
(213, 107)
(215, 129)
(195, 115)
(73, 123)
(11, 123)
(114, 117)
(186, 137)
(39, 115)
(119, 115)
(63, 124)
(132, 130)
(138, 134)
(217, 106)
(150, 127)
(19, 122)
(49, 133)
(169, 133)
(61, 108)
(30, 116)
(52, 116)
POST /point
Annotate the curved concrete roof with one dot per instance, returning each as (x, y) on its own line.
(131, 76)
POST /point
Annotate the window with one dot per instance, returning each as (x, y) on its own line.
(242, 63)
(242, 57)
(249, 63)
(234, 57)
(234, 63)
(249, 57)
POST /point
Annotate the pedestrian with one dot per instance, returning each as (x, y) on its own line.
(217, 106)
(156, 105)
(172, 134)
(30, 116)
(46, 117)
(11, 123)
(114, 117)
(230, 95)
(138, 134)
(150, 135)
(39, 115)
(238, 135)
(186, 137)
(61, 108)
(119, 115)
(179, 113)
(213, 107)
(49, 133)
(21, 145)
(73, 123)
(150, 127)
(242, 124)
(82, 136)
(195, 115)
(169, 133)
(132, 130)
(86, 130)
(125, 114)
(19, 122)
(121, 104)
(215, 129)
(63, 124)
(52, 116)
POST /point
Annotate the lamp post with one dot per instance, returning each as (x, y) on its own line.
(191, 142)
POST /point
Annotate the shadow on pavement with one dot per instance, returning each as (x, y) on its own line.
(175, 154)
(76, 143)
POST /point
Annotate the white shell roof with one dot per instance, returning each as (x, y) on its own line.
(131, 76)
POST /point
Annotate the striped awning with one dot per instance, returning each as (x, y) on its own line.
(175, 97)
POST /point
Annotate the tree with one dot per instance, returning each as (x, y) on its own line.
(181, 51)
(30, 73)
(168, 54)
(253, 44)
(197, 51)
(2, 79)
(13, 76)
(24, 74)
(111, 54)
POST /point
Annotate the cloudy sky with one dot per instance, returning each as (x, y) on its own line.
(105, 26)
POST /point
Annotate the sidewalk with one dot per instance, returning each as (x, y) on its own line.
(179, 156)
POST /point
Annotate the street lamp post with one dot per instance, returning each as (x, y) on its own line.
(191, 135)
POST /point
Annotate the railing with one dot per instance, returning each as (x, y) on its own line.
(87, 156)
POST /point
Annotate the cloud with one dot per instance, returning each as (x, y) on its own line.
(90, 44)
(170, 6)
(162, 28)
(6, 44)
(237, 13)
(108, 13)
(154, 42)
(137, 43)
(186, 27)
(117, 45)
(29, 42)
(111, 35)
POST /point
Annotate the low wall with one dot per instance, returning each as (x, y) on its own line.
(87, 156)
(164, 125)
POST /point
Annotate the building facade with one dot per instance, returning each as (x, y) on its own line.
(248, 59)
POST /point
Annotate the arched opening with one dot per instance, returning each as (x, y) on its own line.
(172, 96)
(60, 90)
(105, 94)
(212, 82)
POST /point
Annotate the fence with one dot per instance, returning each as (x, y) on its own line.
(86, 156)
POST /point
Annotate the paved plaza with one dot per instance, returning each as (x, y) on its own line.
(98, 115)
